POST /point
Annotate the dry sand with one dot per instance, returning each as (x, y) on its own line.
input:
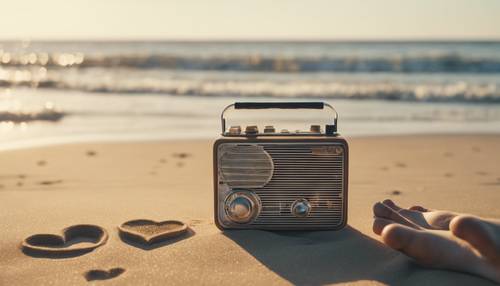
(44, 190)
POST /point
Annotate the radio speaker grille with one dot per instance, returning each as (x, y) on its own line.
(245, 166)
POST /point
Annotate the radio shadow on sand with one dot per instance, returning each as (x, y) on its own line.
(321, 257)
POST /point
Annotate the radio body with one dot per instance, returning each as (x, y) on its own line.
(280, 180)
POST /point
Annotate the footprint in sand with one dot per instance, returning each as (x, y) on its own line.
(163, 160)
(91, 153)
(73, 241)
(99, 274)
(48, 183)
(181, 155)
(41, 163)
(195, 222)
(448, 175)
(400, 165)
(396, 192)
(21, 177)
(448, 154)
(481, 173)
(148, 234)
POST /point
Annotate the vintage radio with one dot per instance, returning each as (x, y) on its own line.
(280, 180)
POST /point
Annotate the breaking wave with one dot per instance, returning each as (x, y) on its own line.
(46, 114)
(461, 72)
(441, 63)
(455, 91)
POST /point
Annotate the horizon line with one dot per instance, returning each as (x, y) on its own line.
(255, 40)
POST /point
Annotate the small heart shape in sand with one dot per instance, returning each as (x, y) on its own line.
(99, 274)
(74, 240)
(149, 232)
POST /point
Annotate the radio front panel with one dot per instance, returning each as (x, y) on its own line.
(289, 184)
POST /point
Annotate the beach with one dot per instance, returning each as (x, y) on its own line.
(48, 188)
(118, 121)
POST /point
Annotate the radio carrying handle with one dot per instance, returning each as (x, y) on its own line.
(281, 105)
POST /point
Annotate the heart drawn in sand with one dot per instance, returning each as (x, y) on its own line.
(150, 232)
(74, 240)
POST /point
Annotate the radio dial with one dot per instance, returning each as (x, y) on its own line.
(242, 206)
(301, 208)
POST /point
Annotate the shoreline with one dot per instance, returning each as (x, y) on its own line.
(46, 189)
(49, 142)
(100, 117)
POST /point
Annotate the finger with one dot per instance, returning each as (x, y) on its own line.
(419, 209)
(391, 204)
(398, 236)
(379, 224)
(431, 248)
(382, 211)
(476, 232)
(404, 212)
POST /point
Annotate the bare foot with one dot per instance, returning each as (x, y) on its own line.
(441, 239)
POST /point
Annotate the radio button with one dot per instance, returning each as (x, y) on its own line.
(235, 130)
(315, 128)
(301, 208)
(251, 129)
(269, 129)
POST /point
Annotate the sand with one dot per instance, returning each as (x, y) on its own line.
(46, 189)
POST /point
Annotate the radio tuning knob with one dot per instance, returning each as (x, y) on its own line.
(240, 209)
(301, 208)
(235, 130)
(269, 129)
(315, 129)
(242, 206)
(251, 130)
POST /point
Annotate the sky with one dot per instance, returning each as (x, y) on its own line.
(251, 19)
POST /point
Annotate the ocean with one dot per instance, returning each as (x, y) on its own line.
(56, 92)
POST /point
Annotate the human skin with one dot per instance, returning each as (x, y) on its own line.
(441, 239)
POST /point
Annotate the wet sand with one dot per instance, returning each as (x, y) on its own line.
(45, 190)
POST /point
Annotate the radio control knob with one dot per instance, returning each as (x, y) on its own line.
(242, 206)
(240, 209)
(251, 129)
(315, 129)
(269, 129)
(301, 208)
(235, 130)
